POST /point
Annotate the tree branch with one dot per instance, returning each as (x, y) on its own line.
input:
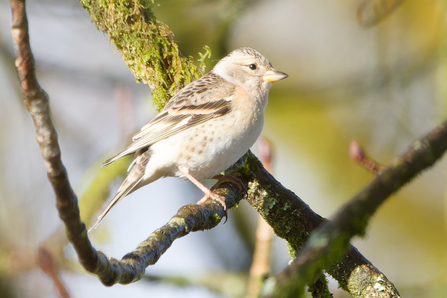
(290, 217)
(36, 101)
(293, 220)
(146, 45)
(329, 242)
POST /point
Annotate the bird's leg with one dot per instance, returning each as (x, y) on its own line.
(208, 193)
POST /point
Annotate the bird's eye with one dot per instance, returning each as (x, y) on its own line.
(252, 66)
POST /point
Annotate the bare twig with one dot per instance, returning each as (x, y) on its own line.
(36, 101)
(47, 264)
(358, 155)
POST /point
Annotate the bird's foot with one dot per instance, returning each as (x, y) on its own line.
(229, 178)
(216, 197)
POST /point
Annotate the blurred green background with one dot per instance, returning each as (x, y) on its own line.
(382, 84)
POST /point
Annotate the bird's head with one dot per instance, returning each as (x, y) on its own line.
(247, 68)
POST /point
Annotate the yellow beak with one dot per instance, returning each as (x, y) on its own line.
(274, 75)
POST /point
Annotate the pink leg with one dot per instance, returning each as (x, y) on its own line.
(208, 193)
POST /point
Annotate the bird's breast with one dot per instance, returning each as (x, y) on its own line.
(214, 146)
(211, 147)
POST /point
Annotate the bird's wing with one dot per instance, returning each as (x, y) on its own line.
(207, 98)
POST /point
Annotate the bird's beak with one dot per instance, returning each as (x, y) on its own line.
(274, 75)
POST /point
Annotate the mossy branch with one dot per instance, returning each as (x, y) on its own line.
(146, 45)
(293, 220)
(328, 243)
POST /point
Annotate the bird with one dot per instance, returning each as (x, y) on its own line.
(203, 129)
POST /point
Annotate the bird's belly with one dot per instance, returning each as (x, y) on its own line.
(206, 150)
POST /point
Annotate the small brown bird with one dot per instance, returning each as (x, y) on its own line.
(204, 129)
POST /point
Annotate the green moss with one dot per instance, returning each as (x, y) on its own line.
(417, 145)
(292, 252)
(177, 221)
(244, 169)
(203, 57)
(287, 229)
(269, 203)
(287, 206)
(216, 217)
(429, 156)
(146, 45)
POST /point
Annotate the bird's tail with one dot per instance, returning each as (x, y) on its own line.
(134, 177)
(123, 191)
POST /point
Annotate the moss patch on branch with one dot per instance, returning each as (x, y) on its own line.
(146, 45)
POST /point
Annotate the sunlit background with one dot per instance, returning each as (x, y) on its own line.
(380, 83)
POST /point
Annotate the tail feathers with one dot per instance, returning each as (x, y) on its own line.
(138, 150)
(123, 191)
(130, 183)
(112, 159)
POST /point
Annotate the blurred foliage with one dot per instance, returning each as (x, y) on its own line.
(198, 22)
(231, 284)
(371, 12)
(6, 288)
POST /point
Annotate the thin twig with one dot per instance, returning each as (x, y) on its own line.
(359, 156)
(48, 265)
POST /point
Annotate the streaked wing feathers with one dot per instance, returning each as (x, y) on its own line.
(192, 106)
